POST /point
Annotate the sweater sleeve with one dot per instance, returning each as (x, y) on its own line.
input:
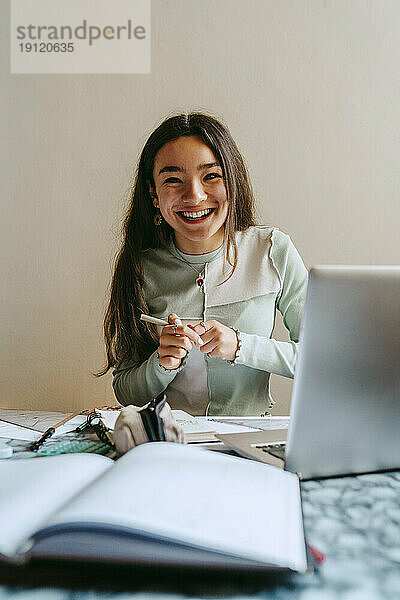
(267, 354)
(139, 384)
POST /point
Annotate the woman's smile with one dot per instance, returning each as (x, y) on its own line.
(195, 216)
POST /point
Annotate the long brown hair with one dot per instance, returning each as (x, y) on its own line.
(124, 334)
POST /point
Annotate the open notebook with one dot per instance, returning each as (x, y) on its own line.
(161, 503)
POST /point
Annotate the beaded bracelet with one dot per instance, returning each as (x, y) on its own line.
(239, 345)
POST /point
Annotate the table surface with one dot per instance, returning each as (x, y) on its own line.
(355, 521)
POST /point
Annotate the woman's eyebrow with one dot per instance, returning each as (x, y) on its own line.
(208, 165)
(171, 168)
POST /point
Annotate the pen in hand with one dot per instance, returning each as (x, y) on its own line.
(163, 323)
(153, 320)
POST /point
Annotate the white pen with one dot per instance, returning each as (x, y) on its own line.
(162, 322)
(154, 320)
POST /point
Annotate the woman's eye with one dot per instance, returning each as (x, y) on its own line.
(172, 180)
(212, 176)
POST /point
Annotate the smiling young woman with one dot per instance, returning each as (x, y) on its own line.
(191, 248)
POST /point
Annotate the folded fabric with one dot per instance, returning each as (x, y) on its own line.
(129, 430)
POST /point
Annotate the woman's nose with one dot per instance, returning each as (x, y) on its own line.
(194, 191)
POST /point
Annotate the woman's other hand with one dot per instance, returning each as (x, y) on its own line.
(130, 432)
(219, 341)
(175, 342)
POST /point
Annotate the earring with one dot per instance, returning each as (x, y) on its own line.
(157, 219)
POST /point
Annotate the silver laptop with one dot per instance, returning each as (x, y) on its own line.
(345, 411)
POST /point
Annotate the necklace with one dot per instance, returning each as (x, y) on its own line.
(200, 274)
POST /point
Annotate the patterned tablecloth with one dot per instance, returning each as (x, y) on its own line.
(355, 521)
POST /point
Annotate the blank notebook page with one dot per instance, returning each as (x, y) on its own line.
(228, 504)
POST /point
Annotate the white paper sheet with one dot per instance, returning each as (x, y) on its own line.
(38, 421)
(243, 424)
(33, 488)
(15, 432)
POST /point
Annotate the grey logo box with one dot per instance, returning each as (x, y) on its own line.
(80, 36)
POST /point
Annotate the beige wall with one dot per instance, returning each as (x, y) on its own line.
(310, 90)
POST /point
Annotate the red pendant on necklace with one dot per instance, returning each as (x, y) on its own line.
(200, 281)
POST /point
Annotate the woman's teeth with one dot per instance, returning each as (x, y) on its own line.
(195, 215)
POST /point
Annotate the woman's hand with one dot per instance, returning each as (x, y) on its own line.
(219, 341)
(175, 342)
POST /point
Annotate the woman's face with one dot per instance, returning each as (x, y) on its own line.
(190, 193)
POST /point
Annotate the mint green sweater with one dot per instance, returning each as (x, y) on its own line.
(269, 275)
